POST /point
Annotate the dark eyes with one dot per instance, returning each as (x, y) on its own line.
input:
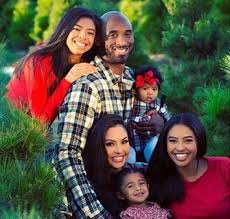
(79, 29)
(189, 140)
(140, 184)
(91, 33)
(76, 28)
(125, 141)
(143, 183)
(115, 35)
(172, 140)
(108, 144)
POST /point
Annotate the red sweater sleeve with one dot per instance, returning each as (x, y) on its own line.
(43, 106)
(30, 91)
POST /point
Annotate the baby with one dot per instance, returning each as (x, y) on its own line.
(147, 103)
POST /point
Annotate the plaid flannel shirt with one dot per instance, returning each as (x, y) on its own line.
(138, 111)
(98, 93)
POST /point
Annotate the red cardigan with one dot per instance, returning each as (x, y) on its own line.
(30, 91)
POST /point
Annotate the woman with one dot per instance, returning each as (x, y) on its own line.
(43, 77)
(106, 152)
(181, 178)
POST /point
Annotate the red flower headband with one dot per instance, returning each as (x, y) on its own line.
(147, 78)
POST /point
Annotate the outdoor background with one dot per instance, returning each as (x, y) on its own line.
(188, 40)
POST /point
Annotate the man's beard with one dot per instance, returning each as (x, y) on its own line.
(111, 58)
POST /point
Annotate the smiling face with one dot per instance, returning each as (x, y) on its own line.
(182, 146)
(119, 40)
(117, 146)
(134, 189)
(81, 38)
(148, 93)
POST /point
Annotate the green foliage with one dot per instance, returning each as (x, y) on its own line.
(25, 180)
(57, 10)
(147, 18)
(41, 19)
(21, 214)
(3, 54)
(225, 66)
(20, 137)
(3, 61)
(220, 12)
(6, 9)
(213, 104)
(3, 81)
(132, 9)
(204, 40)
(22, 17)
(198, 79)
(100, 6)
(178, 88)
(6, 57)
(28, 188)
(139, 56)
(176, 39)
(28, 184)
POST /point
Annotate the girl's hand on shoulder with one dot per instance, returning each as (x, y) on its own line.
(79, 70)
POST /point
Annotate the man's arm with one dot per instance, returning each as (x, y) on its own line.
(75, 118)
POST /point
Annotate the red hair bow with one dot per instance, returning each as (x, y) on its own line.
(147, 78)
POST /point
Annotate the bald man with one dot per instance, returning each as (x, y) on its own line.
(109, 90)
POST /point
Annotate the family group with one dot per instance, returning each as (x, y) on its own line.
(119, 152)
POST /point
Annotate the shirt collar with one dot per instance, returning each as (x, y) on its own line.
(126, 77)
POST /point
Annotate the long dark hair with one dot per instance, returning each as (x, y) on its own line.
(166, 183)
(56, 45)
(96, 163)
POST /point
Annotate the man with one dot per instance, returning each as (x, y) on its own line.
(109, 90)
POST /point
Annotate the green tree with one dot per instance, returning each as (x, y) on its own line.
(148, 18)
(21, 24)
(41, 19)
(6, 9)
(196, 40)
(100, 6)
(28, 188)
(57, 10)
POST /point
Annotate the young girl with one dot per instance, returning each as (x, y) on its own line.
(132, 188)
(147, 104)
(43, 77)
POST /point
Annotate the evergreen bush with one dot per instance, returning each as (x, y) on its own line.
(57, 10)
(21, 24)
(28, 187)
(41, 19)
(6, 9)
(195, 81)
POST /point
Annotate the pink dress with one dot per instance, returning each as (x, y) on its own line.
(152, 211)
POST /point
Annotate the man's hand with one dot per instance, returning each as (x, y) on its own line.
(149, 128)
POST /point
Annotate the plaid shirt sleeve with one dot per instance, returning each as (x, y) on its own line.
(76, 117)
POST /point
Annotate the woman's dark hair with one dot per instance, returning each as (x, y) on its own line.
(56, 45)
(166, 183)
(96, 162)
(145, 68)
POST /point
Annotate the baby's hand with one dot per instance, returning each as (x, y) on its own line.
(151, 113)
